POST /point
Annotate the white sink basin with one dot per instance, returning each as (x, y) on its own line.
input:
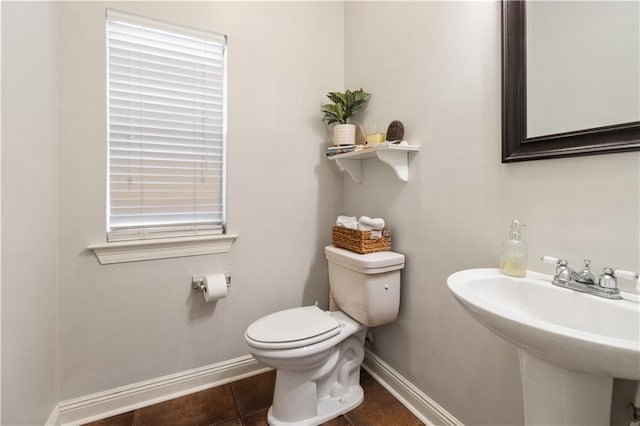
(564, 327)
(568, 340)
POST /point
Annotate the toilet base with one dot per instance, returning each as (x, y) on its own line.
(318, 382)
(328, 408)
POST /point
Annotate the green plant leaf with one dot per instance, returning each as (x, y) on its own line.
(337, 98)
(333, 113)
(351, 99)
(344, 105)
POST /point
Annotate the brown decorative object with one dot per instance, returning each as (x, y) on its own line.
(395, 131)
(361, 241)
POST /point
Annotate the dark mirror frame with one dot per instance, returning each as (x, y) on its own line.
(515, 144)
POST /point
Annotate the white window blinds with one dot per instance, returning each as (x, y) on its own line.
(166, 114)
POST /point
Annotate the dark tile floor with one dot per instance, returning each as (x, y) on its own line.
(246, 402)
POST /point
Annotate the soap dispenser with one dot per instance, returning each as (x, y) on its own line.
(513, 259)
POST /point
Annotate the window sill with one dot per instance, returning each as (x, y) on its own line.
(161, 248)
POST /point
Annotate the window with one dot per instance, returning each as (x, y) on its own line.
(166, 129)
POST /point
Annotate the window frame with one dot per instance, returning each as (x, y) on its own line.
(171, 244)
(169, 230)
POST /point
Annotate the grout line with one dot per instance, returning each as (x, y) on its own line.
(134, 418)
(236, 404)
(251, 413)
(227, 420)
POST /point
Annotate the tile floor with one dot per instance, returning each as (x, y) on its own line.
(246, 402)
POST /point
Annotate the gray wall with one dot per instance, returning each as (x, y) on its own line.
(128, 322)
(436, 67)
(29, 213)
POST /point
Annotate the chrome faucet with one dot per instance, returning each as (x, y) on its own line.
(565, 273)
(584, 281)
(585, 276)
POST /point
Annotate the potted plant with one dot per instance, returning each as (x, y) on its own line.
(343, 107)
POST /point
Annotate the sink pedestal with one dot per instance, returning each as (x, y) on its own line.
(559, 396)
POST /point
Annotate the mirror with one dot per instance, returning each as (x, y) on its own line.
(570, 46)
(570, 85)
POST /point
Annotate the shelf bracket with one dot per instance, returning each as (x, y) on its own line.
(353, 167)
(398, 161)
(396, 157)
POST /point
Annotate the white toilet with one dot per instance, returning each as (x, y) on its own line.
(317, 353)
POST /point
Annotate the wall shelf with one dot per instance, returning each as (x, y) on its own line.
(396, 156)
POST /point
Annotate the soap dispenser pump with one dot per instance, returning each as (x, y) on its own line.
(513, 258)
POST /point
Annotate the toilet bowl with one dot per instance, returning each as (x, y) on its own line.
(317, 354)
(317, 375)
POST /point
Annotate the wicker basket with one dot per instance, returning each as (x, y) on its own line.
(361, 241)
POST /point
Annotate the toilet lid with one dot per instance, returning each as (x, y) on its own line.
(293, 328)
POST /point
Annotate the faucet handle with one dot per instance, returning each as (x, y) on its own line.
(550, 259)
(609, 276)
(607, 279)
(627, 275)
(563, 272)
(554, 261)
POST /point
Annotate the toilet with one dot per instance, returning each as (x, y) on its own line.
(317, 354)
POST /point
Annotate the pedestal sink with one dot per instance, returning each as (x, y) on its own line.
(571, 345)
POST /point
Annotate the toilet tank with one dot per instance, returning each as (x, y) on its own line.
(365, 286)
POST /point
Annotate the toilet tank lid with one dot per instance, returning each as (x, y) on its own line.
(381, 259)
(292, 325)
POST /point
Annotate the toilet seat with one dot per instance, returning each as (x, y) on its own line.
(292, 328)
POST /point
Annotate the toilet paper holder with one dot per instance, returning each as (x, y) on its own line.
(197, 281)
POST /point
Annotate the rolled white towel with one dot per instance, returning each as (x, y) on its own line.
(370, 224)
(375, 234)
(362, 227)
(341, 220)
(347, 221)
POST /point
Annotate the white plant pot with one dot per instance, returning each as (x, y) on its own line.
(344, 134)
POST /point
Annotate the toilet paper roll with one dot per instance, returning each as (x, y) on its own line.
(214, 287)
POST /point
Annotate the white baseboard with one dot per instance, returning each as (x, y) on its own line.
(54, 417)
(416, 401)
(109, 403)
